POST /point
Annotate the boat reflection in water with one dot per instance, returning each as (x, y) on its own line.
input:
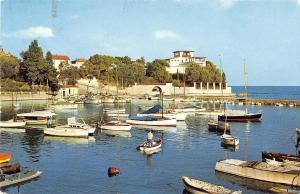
(70, 140)
(116, 133)
(231, 148)
(256, 184)
(149, 155)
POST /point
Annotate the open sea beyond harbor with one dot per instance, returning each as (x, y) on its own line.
(79, 165)
(270, 92)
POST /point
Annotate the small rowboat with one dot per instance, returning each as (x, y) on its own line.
(201, 187)
(155, 145)
(281, 157)
(229, 140)
(17, 178)
(4, 157)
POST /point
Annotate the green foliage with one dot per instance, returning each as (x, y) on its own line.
(131, 73)
(157, 70)
(9, 67)
(8, 85)
(36, 69)
(177, 83)
(209, 73)
(69, 74)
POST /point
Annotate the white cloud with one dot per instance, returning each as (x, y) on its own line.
(227, 3)
(32, 32)
(166, 34)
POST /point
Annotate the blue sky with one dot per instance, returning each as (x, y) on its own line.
(264, 32)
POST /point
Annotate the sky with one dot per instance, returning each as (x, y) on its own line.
(264, 33)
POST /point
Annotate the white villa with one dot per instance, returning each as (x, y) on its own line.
(181, 59)
(57, 59)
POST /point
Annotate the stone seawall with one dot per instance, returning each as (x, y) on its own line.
(20, 96)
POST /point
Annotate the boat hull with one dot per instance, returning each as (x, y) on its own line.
(167, 123)
(157, 144)
(200, 187)
(240, 118)
(116, 127)
(177, 116)
(260, 171)
(229, 140)
(66, 132)
(9, 124)
(20, 177)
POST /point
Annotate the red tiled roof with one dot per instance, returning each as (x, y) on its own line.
(199, 57)
(60, 57)
(80, 60)
(182, 51)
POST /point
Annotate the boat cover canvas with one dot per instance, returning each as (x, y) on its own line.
(152, 110)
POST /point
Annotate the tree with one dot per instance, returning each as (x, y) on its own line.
(131, 73)
(157, 70)
(9, 67)
(36, 69)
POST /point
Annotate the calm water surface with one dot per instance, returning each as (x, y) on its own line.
(79, 165)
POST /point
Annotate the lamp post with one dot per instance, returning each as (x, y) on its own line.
(155, 89)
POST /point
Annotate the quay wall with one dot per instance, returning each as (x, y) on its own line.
(18, 96)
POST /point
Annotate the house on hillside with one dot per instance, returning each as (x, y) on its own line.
(57, 59)
(181, 59)
(78, 62)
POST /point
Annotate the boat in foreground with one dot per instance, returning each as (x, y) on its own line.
(146, 148)
(263, 171)
(4, 157)
(281, 157)
(12, 124)
(200, 187)
(116, 126)
(17, 178)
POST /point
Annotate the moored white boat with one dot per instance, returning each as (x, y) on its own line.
(263, 171)
(36, 117)
(65, 106)
(201, 187)
(229, 140)
(66, 131)
(73, 123)
(116, 126)
(177, 116)
(152, 121)
(12, 124)
(123, 115)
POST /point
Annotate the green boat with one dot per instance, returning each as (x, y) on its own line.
(17, 178)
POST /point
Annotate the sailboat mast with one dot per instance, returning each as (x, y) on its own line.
(245, 83)
(224, 105)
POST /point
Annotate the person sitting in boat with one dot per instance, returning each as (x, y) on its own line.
(149, 138)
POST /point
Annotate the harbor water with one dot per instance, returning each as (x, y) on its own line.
(79, 165)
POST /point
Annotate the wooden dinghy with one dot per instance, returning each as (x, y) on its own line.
(4, 157)
(198, 187)
(229, 140)
(10, 168)
(288, 175)
(17, 178)
(145, 148)
(279, 156)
